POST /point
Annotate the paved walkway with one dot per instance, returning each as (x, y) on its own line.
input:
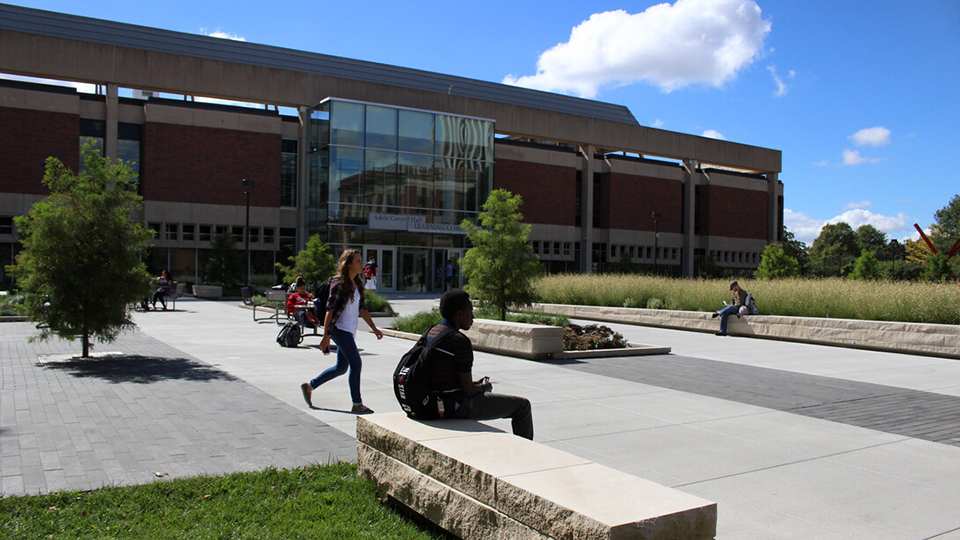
(793, 441)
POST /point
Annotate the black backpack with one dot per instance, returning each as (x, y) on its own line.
(411, 381)
(289, 335)
(322, 294)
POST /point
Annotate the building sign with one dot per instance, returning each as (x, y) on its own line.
(393, 222)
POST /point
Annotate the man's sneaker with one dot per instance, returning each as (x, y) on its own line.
(721, 333)
(361, 409)
(307, 392)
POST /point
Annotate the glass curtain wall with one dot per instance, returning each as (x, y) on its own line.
(374, 159)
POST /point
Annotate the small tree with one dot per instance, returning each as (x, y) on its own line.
(501, 266)
(866, 266)
(776, 264)
(80, 266)
(226, 264)
(315, 263)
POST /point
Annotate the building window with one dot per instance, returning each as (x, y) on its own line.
(288, 172)
(238, 234)
(556, 248)
(536, 247)
(128, 146)
(566, 249)
(220, 230)
(268, 235)
(187, 233)
(6, 225)
(205, 233)
(171, 231)
(155, 227)
(92, 132)
(254, 234)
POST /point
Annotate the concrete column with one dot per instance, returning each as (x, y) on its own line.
(112, 119)
(773, 217)
(689, 216)
(303, 171)
(586, 210)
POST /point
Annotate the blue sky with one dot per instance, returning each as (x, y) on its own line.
(861, 97)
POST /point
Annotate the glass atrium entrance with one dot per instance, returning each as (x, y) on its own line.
(398, 182)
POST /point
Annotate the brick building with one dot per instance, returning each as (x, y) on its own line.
(385, 159)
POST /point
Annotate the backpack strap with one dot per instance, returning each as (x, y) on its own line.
(440, 337)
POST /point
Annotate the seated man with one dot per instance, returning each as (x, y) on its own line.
(300, 304)
(453, 378)
(739, 300)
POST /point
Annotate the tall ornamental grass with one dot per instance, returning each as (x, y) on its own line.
(832, 298)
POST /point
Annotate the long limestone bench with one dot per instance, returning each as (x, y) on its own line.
(533, 341)
(911, 338)
(478, 482)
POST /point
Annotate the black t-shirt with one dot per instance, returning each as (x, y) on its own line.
(445, 370)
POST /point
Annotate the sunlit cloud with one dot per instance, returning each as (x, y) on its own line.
(853, 157)
(858, 204)
(672, 46)
(821, 163)
(781, 86)
(875, 136)
(807, 229)
(658, 123)
(221, 34)
(713, 134)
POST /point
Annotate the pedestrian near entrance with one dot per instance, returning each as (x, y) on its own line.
(448, 276)
(464, 397)
(371, 273)
(739, 300)
(344, 307)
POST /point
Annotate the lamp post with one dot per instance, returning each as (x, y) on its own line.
(247, 188)
(656, 241)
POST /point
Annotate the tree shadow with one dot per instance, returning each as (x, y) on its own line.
(140, 369)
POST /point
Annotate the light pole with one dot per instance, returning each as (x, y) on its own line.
(247, 188)
(656, 241)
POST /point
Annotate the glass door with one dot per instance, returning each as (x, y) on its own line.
(385, 258)
(414, 271)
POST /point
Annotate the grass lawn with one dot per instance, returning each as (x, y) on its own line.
(329, 502)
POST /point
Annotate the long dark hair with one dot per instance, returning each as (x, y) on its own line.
(343, 272)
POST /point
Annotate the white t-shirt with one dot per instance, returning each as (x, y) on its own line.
(351, 313)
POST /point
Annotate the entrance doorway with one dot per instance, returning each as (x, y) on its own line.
(414, 272)
(446, 261)
(386, 266)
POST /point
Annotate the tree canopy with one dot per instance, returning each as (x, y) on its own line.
(501, 265)
(776, 264)
(315, 263)
(80, 268)
(833, 250)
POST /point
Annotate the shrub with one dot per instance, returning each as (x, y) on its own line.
(376, 303)
(591, 337)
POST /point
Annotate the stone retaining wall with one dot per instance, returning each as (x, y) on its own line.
(912, 338)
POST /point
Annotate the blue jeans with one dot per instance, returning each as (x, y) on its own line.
(724, 314)
(348, 356)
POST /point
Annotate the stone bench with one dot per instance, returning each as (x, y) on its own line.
(911, 338)
(475, 481)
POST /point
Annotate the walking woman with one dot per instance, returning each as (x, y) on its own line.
(344, 307)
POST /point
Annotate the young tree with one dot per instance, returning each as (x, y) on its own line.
(315, 263)
(501, 265)
(80, 266)
(776, 264)
(796, 249)
(947, 219)
(866, 266)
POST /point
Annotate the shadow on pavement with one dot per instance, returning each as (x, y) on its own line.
(141, 369)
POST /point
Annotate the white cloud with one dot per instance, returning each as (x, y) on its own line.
(875, 136)
(821, 163)
(807, 229)
(221, 34)
(781, 86)
(858, 204)
(713, 134)
(658, 123)
(853, 157)
(671, 46)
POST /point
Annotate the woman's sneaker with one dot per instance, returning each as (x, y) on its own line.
(361, 409)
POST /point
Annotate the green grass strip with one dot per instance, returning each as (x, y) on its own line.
(328, 502)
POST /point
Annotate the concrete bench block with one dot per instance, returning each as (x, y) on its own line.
(903, 337)
(553, 493)
(521, 339)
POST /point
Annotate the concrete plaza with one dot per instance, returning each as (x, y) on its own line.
(793, 441)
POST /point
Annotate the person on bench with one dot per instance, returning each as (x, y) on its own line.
(464, 397)
(300, 305)
(733, 308)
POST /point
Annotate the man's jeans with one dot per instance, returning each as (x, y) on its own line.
(490, 406)
(724, 314)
